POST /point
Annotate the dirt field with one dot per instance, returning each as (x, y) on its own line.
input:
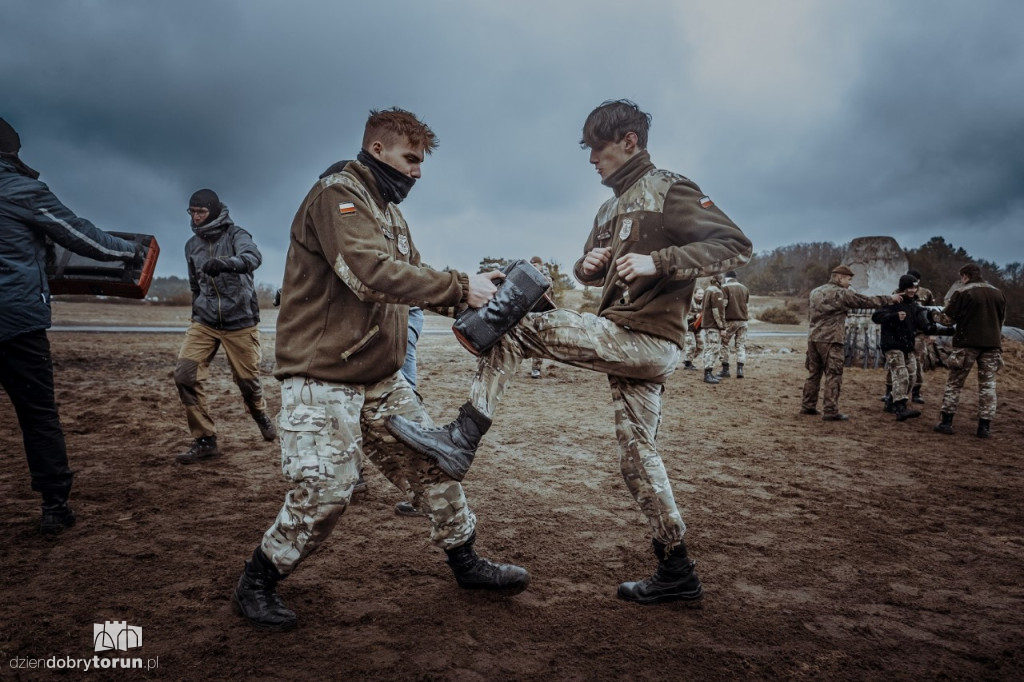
(862, 550)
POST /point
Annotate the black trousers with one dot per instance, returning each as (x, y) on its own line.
(26, 373)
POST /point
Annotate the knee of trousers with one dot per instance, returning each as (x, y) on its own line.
(186, 374)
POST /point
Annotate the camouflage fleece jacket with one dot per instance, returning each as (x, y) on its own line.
(351, 274)
(666, 216)
(829, 304)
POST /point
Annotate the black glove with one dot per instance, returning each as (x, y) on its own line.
(215, 266)
(140, 255)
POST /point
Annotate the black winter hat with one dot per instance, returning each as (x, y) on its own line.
(10, 143)
(907, 281)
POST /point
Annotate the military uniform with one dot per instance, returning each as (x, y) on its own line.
(736, 316)
(978, 310)
(827, 310)
(713, 323)
(693, 345)
(637, 335)
(341, 342)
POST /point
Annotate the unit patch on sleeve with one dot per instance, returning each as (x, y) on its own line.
(347, 208)
(705, 202)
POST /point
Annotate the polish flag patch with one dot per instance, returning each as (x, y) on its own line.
(347, 208)
(705, 202)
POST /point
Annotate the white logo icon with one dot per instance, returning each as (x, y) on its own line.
(115, 634)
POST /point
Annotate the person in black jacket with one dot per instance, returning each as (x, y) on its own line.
(221, 258)
(31, 219)
(900, 322)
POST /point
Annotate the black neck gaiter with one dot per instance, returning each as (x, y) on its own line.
(394, 185)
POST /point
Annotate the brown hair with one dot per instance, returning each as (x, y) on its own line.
(390, 125)
(972, 271)
(611, 121)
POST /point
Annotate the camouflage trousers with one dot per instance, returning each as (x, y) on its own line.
(920, 350)
(712, 347)
(823, 359)
(243, 350)
(637, 366)
(735, 330)
(325, 428)
(902, 367)
(693, 345)
(960, 362)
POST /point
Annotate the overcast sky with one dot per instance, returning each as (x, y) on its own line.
(816, 120)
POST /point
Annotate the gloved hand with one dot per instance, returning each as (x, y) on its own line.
(215, 266)
(140, 255)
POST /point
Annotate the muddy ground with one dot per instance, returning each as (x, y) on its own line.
(860, 550)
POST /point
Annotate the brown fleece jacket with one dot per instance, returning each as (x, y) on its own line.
(666, 216)
(351, 274)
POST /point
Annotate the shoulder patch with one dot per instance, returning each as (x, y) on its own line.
(705, 202)
(347, 208)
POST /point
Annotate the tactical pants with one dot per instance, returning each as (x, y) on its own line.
(960, 362)
(637, 366)
(823, 359)
(902, 367)
(735, 329)
(694, 346)
(26, 374)
(712, 347)
(325, 429)
(243, 350)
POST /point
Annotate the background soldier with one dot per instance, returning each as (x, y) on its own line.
(926, 298)
(221, 258)
(712, 322)
(30, 217)
(899, 323)
(829, 304)
(736, 316)
(694, 342)
(978, 310)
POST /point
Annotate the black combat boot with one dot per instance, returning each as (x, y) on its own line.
(254, 597)
(690, 366)
(474, 573)
(674, 580)
(710, 378)
(202, 448)
(57, 516)
(915, 395)
(724, 374)
(902, 412)
(266, 424)
(739, 370)
(983, 428)
(453, 445)
(946, 425)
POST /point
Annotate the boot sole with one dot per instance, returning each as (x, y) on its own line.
(273, 627)
(693, 599)
(444, 462)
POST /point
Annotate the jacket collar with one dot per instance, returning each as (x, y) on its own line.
(631, 171)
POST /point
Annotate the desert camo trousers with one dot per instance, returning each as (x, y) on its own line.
(637, 366)
(960, 361)
(694, 345)
(902, 367)
(243, 350)
(735, 329)
(325, 428)
(712, 347)
(917, 377)
(823, 359)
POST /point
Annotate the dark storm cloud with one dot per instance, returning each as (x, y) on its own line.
(826, 121)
